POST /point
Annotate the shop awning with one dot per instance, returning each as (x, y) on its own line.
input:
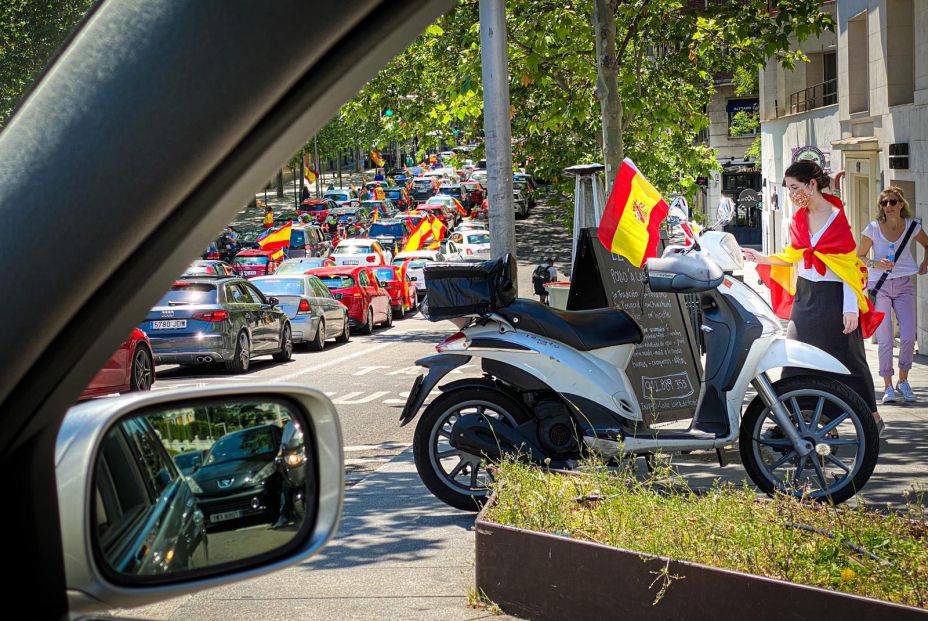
(857, 143)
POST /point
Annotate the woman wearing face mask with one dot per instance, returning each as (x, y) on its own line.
(897, 291)
(829, 307)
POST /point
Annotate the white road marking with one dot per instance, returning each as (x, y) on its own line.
(352, 398)
(366, 370)
(407, 371)
(324, 365)
(363, 461)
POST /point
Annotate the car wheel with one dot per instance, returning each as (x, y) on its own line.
(318, 343)
(389, 322)
(142, 370)
(368, 328)
(345, 336)
(241, 359)
(286, 345)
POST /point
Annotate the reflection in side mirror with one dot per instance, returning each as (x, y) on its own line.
(273, 301)
(188, 488)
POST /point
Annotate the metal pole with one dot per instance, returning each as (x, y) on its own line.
(318, 169)
(340, 184)
(496, 126)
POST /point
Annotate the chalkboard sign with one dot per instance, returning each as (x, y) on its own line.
(665, 370)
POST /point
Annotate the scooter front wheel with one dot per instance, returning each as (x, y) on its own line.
(837, 422)
(457, 478)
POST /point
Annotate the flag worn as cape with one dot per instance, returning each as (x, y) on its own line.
(631, 221)
(836, 250)
(276, 239)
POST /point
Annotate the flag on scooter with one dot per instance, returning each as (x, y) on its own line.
(276, 239)
(630, 226)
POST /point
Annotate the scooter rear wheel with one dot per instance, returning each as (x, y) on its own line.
(829, 414)
(457, 478)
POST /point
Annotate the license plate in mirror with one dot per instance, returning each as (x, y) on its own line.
(169, 325)
(224, 517)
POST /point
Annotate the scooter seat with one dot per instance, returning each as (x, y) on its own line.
(583, 330)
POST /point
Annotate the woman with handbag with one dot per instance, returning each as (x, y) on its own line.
(890, 282)
(827, 306)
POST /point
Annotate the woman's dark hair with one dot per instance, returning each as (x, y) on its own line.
(805, 171)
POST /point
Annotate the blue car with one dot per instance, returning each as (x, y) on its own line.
(217, 320)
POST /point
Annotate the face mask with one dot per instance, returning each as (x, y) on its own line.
(801, 197)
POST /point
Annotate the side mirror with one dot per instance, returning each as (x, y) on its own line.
(383, 283)
(137, 531)
(724, 215)
(273, 301)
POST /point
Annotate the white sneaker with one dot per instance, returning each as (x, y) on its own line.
(906, 391)
(889, 396)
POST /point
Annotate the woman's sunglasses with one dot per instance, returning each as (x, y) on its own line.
(888, 201)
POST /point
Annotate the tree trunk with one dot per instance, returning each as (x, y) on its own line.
(607, 88)
(280, 183)
(339, 160)
(357, 159)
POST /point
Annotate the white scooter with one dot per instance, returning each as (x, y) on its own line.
(554, 389)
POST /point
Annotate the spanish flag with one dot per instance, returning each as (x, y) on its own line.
(277, 239)
(309, 175)
(836, 250)
(438, 229)
(633, 215)
(459, 207)
(375, 157)
(418, 236)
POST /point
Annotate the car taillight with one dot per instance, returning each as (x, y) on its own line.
(213, 256)
(469, 251)
(212, 316)
(371, 259)
(181, 283)
(304, 307)
(356, 294)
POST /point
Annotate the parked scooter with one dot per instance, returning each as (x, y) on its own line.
(554, 390)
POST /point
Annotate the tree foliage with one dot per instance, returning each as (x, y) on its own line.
(31, 31)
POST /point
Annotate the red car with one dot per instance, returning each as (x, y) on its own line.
(129, 369)
(402, 291)
(255, 262)
(317, 208)
(359, 290)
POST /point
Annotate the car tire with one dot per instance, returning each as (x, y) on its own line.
(142, 370)
(389, 322)
(368, 328)
(241, 358)
(286, 345)
(345, 336)
(318, 343)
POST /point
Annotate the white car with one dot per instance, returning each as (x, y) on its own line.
(471, 225)
(343, 197)
(479, 175)
(417, 262)
(448, 203)
(472, 245)
(361, 251)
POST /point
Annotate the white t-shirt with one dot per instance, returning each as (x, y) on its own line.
(905, 262)
(850, 298)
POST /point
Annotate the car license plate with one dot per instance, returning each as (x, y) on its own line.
(228, 515)
(169, 325)
(350, 263)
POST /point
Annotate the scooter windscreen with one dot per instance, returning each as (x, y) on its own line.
(683, 273)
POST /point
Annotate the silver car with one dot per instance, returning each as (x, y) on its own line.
(314, 314)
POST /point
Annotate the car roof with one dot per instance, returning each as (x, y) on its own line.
(255, 252)
(337, 270)
(357, 241)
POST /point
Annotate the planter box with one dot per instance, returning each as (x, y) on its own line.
(539, 576)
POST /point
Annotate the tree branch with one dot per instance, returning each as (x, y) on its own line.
(631, 31)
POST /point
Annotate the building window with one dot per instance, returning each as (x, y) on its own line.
(743, 117)
(900, 52)
(858, 61)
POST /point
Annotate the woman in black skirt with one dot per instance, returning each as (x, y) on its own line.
(825, 310)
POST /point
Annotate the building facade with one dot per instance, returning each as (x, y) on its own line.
(860, 109)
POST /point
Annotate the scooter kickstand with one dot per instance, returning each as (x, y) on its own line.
(721, 455)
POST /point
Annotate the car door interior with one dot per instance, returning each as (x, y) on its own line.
(120, 93)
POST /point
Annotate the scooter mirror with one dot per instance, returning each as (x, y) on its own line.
(724, 215)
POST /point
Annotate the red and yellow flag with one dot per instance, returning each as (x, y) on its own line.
(459, 207)
(309, 175)
(438, 229)
(277, 239)
(418, 236)
(633, 215)
(375, 157)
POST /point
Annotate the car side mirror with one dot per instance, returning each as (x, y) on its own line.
(383, 283)
(137, 531)
(273, 301)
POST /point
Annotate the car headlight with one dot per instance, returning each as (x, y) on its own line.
(196, 489)
(264, 473)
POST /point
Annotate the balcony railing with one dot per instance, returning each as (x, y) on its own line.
(817, 96)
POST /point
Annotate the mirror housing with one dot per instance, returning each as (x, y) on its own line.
(79, 443)
(273, 301)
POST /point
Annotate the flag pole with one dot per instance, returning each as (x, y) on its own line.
(318, 168)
